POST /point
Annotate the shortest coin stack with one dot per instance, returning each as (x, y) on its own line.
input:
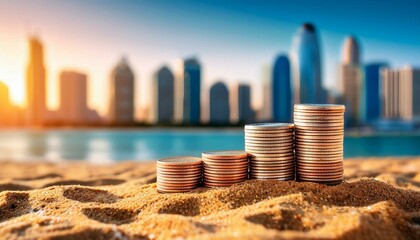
(178, 174)
(224, 168)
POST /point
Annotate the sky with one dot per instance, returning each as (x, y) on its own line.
(233, 39)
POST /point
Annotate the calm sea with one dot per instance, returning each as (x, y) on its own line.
(109, 145)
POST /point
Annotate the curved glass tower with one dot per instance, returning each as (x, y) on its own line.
(281, 90)
(307, 67)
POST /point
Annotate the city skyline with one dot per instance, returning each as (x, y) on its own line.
(240, 44)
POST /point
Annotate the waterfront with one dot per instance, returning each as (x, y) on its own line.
(116, 145)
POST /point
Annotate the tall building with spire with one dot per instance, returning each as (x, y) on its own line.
(306, 62)
(164, 90)
(219, 104)
(188, 92)
(35, 84)
(351, 79)
(121, 106)
(281, 90)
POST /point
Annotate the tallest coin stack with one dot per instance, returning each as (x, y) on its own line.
(319, 133)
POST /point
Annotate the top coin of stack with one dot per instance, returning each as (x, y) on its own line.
(270, 146)
(224, 168)
(319, 133)
(178, 174)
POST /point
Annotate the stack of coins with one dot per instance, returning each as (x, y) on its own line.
(224, 168)
(319, 132)
(270, 146)
(178, 174)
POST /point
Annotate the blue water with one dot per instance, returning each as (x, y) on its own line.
(110, 145)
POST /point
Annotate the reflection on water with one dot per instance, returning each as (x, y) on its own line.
(108, 145)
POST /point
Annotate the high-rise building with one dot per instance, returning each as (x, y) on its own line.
(371, 101)
(245, 112)
(306, 62)
(35, 84)
(10, 115)
(281, 90)
(121, 106)
(219, 104)
(266, 113)
(164, 90)
(191, 87)
(351, 79)
(73, 97)
(400, 88)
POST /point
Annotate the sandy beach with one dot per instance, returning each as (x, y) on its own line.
(380, 199)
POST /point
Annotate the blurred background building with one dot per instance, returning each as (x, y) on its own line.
(164, 95)
(219, 104)
(400, 90)
(189, 92)
(281, 90)
(121, 102)
(245, 112)
(307, 67)
(35, 84)
(351, 80)
(371, 97)
(73, 97)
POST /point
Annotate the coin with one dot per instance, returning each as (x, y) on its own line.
(319, 142)
(225, 154)
(269, 126)
(178, 174)
(233, 162)
(279, 178)
(223, 168)
(182, 160)
(319, 107)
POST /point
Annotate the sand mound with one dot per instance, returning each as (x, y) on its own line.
(380, 199)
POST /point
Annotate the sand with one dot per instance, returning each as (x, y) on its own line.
(380, 199)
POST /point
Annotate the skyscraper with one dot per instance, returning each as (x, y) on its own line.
(219, 104)
(10, 115)
(5, 105)
(306, 61)
(266, 111)
(192, 91)
(281, 90)
(371, 108)
(351, 79)
(245, 112)
(73, 97)
(400, 88)
(121, 106)
(164, 90)
(35, 84)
